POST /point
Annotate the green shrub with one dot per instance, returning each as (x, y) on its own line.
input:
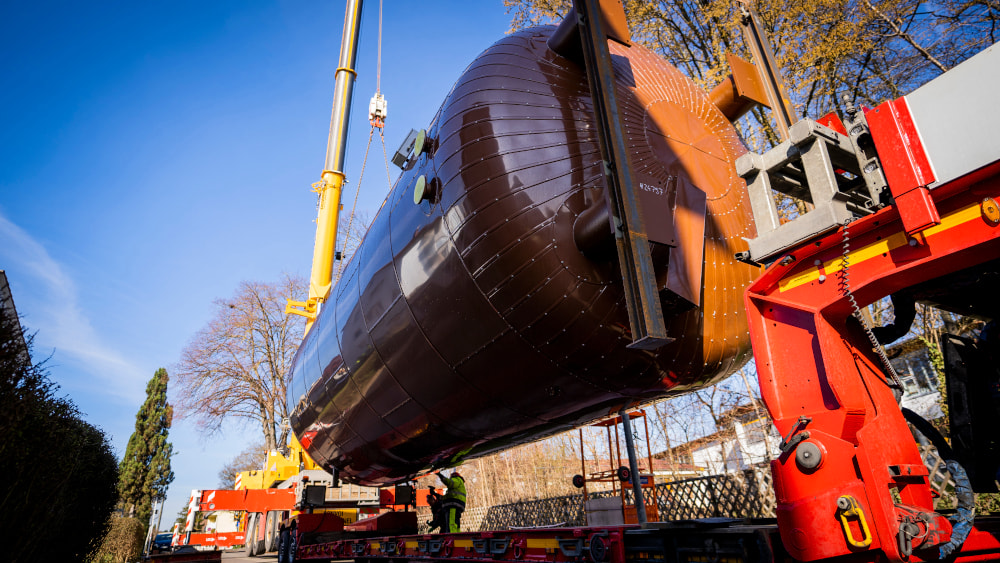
(59, 472)
(123, 542)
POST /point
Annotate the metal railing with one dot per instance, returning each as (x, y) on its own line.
(555, 511)
(746, 494)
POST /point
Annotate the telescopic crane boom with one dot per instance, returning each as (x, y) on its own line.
(331, 183)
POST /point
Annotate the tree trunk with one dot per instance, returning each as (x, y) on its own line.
(269, 440)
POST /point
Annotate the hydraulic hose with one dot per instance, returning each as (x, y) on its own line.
(961, 521)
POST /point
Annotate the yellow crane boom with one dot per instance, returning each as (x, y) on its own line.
(331, 183)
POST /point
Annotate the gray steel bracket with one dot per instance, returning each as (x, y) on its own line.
(806, 167)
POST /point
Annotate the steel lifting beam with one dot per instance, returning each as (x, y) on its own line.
(774, 87)
(662, 541)
(554, 545)
(251, 500)
(641, 293)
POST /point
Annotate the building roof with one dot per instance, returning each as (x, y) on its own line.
(7, 308)
(745, 414)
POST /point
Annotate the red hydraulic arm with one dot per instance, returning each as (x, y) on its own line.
(850, 481)
(845, 437)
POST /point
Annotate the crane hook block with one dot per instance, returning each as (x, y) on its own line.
(378, 110)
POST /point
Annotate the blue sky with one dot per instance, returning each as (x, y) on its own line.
(155, 154)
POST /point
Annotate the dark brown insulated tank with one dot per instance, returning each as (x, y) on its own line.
(483, 309)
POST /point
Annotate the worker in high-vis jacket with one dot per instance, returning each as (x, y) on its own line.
(453, 503)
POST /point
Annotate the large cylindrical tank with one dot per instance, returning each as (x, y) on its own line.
(472, 321)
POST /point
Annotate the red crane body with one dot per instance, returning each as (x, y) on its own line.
(850, 480)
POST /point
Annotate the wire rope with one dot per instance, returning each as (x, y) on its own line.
(385, 156)
(380, 125)
(378, 64)
(350, 219)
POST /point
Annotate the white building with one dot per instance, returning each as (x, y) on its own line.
(745, 438)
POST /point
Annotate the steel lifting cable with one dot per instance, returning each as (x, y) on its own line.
(378, 61)
(388, 178)
(350, 219)
(378, 89)
(377, 123)
(385, 156)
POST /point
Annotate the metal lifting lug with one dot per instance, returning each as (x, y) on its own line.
(570, 547)
(498, 546)
(849, 508)
(744, 257)
(480, 545)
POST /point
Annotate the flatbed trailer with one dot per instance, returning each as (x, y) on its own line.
(710, 540)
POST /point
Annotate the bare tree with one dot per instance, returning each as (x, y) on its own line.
(870, 50)
(250, 459)
(235, 367)
(537, 470)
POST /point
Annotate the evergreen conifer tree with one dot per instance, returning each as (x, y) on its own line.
(145, 469)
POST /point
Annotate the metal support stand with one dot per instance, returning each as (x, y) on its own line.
(633, 466)
(154, 524)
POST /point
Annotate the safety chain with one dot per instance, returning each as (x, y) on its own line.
(845, 287)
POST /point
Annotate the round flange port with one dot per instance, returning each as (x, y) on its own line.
(420, 191)
(808, 456)
(418, 144)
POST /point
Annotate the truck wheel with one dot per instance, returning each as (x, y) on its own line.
(251, 536)
(624, 474)
(598, 549)
(579, 481)
(284, 538)
(271, 532)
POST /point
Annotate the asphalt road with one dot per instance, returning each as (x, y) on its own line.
(239, 556)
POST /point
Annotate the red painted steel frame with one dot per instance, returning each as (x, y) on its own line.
(250, 500)
(218, 539)
(814, 360)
